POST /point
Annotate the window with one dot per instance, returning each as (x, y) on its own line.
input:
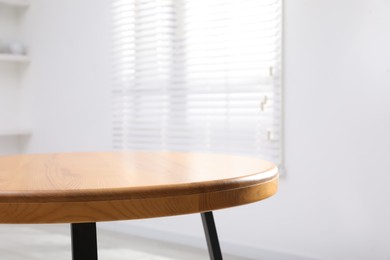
(197, 75)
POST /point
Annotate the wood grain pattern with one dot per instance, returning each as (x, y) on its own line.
(84, 187)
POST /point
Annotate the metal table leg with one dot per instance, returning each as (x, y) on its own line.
(211, 236)
(84, 241)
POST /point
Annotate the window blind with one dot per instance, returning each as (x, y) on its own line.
(197, 75)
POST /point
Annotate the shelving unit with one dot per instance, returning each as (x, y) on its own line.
(11, 77)
(17, 3)
(14, 58)
(7, 56)
(15, 131)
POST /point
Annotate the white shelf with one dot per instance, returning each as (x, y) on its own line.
(15, 131)
(16, 3)
(13, 57)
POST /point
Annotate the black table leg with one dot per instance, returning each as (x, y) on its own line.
(84, 241)
(211, 236)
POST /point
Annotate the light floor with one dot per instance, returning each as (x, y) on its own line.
(52, 242)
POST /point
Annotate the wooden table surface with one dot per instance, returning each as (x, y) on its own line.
(92, 187)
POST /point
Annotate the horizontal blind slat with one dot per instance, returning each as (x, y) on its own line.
(196, 75)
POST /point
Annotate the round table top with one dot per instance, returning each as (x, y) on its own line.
(91, 187)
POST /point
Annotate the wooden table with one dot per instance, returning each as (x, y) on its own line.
(85, 188)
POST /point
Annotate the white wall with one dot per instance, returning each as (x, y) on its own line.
(67, 85)
(333, 203)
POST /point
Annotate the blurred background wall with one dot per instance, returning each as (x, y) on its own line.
(334, 196)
